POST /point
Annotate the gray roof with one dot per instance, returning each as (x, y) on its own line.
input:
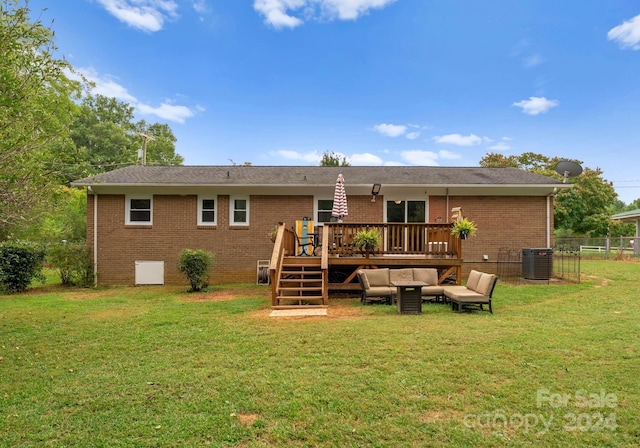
(317, 175)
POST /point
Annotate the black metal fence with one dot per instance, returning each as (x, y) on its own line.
(511, 268)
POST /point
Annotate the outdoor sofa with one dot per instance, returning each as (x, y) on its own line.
(475, 294)
(376, 284)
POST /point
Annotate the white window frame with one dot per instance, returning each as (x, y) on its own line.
(201, 199)
(131, 197)
(316, 209)
(232, 201)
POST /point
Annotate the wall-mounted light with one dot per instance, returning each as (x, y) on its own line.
(398, 201)
(375, 190)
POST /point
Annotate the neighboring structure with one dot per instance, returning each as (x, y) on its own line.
(139, 218)
(632, 216)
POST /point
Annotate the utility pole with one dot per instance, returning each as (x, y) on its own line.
(142, 154)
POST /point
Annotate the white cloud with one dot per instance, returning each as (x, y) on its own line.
(309, 157)
(420, 157)
(275, 12)
(536, 105)
(366, 159)
(460, 140)
(107, 86)
(448, 155)
(350, 9)
(532, 61)
(500, 146)
(200, 6)
(280, 13)
(413, 135)
(145, 15)
(390, 130)
(167, 111)
(628, 34)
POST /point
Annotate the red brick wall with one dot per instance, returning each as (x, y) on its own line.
(515, 222)
(503, 222)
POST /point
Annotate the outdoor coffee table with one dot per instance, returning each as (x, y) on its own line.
(409, 296)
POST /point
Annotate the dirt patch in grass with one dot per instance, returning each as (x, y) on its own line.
(91, 295)
(247, 419)
(221, 295)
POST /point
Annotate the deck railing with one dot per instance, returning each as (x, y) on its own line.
(397, 239)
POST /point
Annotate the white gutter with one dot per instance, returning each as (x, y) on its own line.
(549, 218)
(95, 236)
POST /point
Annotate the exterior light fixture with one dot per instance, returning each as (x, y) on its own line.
(375, 190)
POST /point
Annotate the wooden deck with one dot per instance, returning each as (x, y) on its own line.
(403, 245)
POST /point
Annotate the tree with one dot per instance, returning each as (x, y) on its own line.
(65, 219)
(36, 107)
(330, 158)
(106, 137)
(584, 209)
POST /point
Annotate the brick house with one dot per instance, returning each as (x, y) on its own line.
(139, 218)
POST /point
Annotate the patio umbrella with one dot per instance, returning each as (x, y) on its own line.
(339, 209)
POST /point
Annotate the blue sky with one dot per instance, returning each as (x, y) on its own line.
(382, 82)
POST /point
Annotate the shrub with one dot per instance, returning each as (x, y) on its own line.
(20, 263)
(195, 265)
(73, 262)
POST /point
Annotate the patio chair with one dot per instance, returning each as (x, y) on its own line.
(306, 240)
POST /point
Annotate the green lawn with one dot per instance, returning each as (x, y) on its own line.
(556, 365)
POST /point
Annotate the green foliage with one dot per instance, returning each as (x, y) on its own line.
(464, 228)
(195, 265)
(36, 108)
(73, 262)
(63, 217)
(367, 239)
(106, 137)
(20, 263)
(330, 158)
(584, 209)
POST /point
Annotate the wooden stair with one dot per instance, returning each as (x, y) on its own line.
(301, 284)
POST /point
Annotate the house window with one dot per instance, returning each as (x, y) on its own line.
(324, 210)
(207, 215)
(406, 211)
(139, 210)
(239, 211)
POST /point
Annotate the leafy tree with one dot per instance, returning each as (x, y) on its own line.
(634, 205)
(106, 138)
(36, 107)
(584, 209)
(161, 150)
(330, 158)
(64, 218)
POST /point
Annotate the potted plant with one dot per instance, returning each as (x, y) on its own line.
(367, 240)
(464, 229)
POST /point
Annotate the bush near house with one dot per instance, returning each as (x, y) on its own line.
(195, 265)
(20, 263)
(73, 262)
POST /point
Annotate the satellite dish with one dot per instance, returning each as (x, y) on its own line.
(567, 169)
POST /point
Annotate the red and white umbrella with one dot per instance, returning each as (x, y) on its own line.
(339, 209)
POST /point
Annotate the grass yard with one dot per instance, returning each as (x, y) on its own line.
(556, 365)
